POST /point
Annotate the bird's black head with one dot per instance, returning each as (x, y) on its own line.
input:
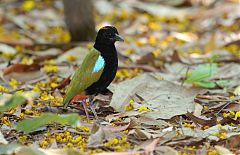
(108, 35)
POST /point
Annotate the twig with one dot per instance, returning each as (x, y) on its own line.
(229, 102)
(185, 77)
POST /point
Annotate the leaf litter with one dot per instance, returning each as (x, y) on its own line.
(176, 90)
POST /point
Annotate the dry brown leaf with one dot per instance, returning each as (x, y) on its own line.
(19, 68)
(23, 73)
(112, 117)
(117, 128)
(200, 121)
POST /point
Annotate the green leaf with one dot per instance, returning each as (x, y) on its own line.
(13, 102)
(222, 83)
(206, 84)
(29, 125)
(202, 72)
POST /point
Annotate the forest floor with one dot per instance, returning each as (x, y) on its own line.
(176, 92)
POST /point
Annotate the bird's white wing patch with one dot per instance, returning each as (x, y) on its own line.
(99, 64)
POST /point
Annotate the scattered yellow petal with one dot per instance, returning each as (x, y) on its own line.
(152, 40)
(154, 26)
(13, 83)
(237, 115)
(5, 120)
(53, 85)
(3, 89)
(129, 106)
(50, 68)
(71, 58)
(143, 108)
(156, 53)
(28, 5)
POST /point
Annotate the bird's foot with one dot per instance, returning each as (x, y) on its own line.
(86, 101)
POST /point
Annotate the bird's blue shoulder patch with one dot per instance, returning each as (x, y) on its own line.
(99, 64)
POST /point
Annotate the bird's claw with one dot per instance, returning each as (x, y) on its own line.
(86, 101)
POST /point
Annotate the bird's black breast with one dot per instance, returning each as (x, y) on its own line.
(109, 71)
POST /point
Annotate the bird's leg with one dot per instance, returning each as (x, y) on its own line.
(85, 109)
(82, 99)
(92, 107)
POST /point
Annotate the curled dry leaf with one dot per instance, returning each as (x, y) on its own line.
(18, 68)
(200, 121)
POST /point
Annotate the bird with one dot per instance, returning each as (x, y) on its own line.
(98, 68)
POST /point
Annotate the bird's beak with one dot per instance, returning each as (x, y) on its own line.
(118, 38)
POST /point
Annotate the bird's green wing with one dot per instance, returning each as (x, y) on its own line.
(83, 77)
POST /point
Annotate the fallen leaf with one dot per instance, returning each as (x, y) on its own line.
(2, 139)
(23, 73)
(78, 52)
(227, 71)
(29, 125)
(223, 151)
(120, 153)
(161, 10)
(215, 129)
(7, 49)
(231, 142)
(13, 102)
(151, 121)
(112, 117)
(18, 68)
(166, 150)
(151, 146)
(65, 151)
(51, 52)
(237, 91)
(164, 98)
(193, 132)
(25, 150)
(9, 148)
(200, 121)
(101, 135)
(197, 110)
